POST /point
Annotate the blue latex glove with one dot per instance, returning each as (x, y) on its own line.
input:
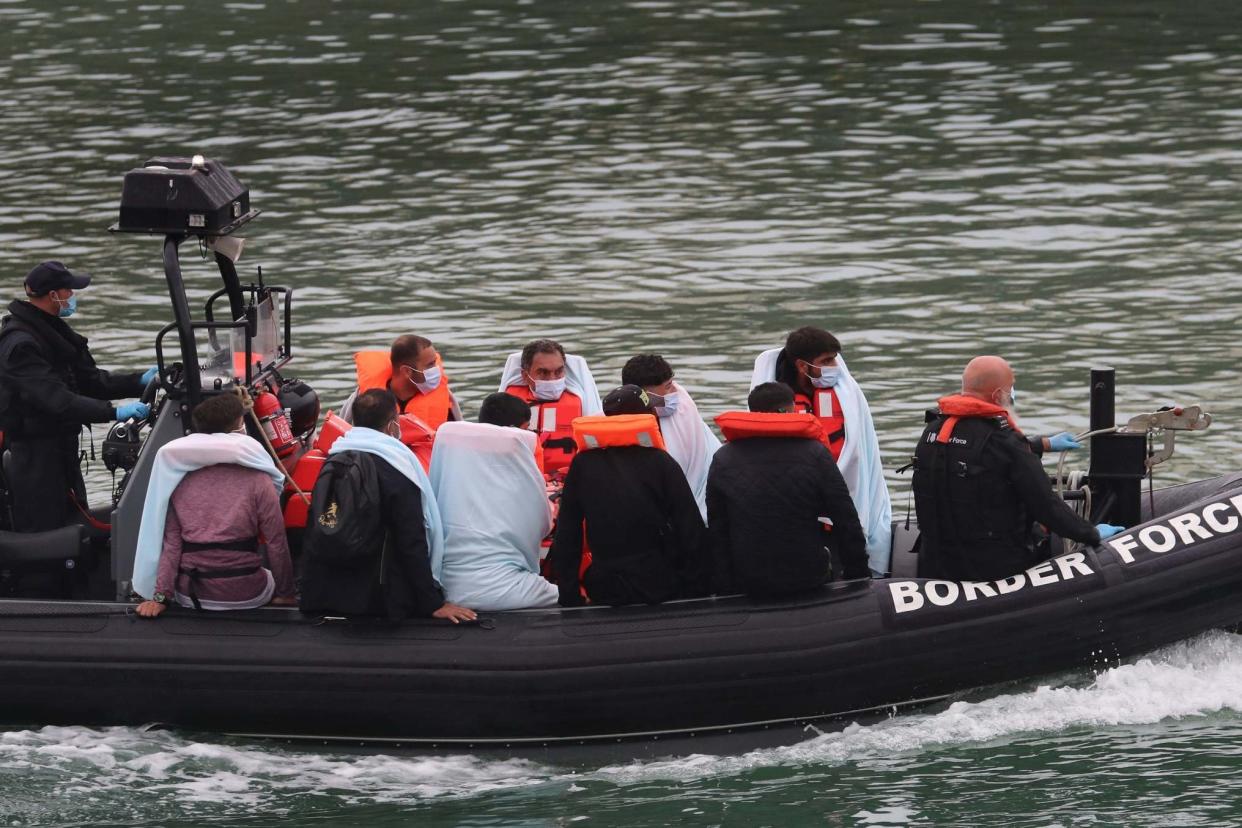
(1107, 530)
(150, 375)
(1063, 441)
(137, 410)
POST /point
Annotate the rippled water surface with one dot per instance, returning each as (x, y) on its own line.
(1053, 182)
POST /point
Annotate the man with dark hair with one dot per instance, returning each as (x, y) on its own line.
(397, 578)
(632, 502)
(414, 372)
(772, 492)
(979, 487)
(220, 414)
(687, 437)
(558, 388)
(811, 365)
(224, 544)
(50, 388)
(771, 398)
(503, 409)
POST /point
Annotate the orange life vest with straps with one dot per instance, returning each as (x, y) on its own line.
(552, 421)
(740, 425)
(825, 405)
(620, 430)
(375, 371)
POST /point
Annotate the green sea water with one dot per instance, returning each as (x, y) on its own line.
(1053, 182)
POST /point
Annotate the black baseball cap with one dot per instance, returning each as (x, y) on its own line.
(628, 399)
(47, 276)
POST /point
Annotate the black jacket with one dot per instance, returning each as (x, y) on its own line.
(646, 535)
(49, 383)
(765, 496)
(396, 582)
(977, 496)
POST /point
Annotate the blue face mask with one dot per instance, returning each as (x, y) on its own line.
(68, 307)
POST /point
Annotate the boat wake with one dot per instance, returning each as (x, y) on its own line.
(59, 773)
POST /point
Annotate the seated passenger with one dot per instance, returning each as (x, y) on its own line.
(374, 541)
(688, 439)
(218, 520)
(495, 513)
(558, 388)
(642, 526)
(812, 366)
(414, 372)
(501, 409)
(768, 489)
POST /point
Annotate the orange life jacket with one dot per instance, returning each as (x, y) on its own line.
(418, 437)
(739, 425)
(957, 406)
(375, 371)
(553, 422)
(305, 473)
(620, 430)
(332, 428)
(825, 405)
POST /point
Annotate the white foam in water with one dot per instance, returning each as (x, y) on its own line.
(1194, 678)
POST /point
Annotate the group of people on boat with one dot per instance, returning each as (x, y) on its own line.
(554, 496)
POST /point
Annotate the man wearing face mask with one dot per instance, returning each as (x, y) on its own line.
(50, 388)
(687, 438)
(812, 366)
(559, 388)
(414, 372)
(979, 485)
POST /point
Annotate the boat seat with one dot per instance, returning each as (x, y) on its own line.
(56, 548)
(905, 560)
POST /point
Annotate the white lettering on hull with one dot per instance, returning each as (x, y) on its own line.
(1180, 531)
(909, 596)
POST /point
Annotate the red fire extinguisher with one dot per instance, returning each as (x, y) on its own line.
(275, 424)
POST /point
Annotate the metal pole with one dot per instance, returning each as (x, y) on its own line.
(1103, 398)
(181, 316)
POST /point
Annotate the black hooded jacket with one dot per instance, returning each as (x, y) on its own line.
(765, 496)
(49, 383)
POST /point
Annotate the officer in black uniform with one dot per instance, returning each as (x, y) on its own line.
(979, 484)
(50, 388)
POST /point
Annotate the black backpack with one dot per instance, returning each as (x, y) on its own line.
(345, 527)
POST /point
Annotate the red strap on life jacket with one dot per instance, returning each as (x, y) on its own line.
(946, 430)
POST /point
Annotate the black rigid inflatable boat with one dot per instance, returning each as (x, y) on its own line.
(589, 675)
(545, 677)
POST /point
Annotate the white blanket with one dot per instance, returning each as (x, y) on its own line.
(578, 379)
(860, 461)
(495, 510)
(174, 460)
(691, 443)
(395, 453)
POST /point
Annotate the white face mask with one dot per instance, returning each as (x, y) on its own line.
(393, 431)
(239, 430)
(669, 407)
(829, 375)
(549, 389)
(431, 379)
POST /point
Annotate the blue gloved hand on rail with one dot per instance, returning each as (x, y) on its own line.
(1107, 530)
(150, 375)
(1063, 441)
(137, 410)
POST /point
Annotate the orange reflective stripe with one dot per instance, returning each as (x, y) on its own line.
(622, 430)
